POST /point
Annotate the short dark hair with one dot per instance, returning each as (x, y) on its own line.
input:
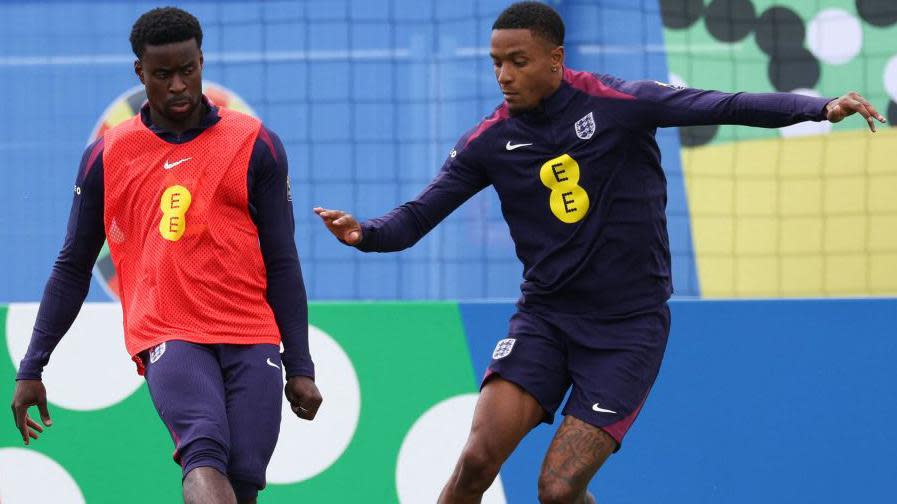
(536, 17)
(164, 25)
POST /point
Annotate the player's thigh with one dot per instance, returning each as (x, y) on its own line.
(504, 414)
(613, 365)
(534, 358)
(254, 388)
(577, 451)
(187, 389)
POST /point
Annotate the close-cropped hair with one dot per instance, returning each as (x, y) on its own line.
(164, 25)
(540, 19)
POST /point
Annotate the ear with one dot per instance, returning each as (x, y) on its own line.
(201, 59)
(557, 57)
(138, 69)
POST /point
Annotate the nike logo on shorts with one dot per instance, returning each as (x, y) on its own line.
(271, 363)
(601, 410)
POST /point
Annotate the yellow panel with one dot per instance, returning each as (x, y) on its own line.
(845, 153)
(845, 274)
(719, 274)
(883, 234)
(801, 197)
(716, 195)
(716, 235)
(714, 161)
(883, 273)
(795, 217)
(801, 235)
(756, 197)
(802, 156)
(757, 276)
(883, 192)
(757, 163)
(845, 195)
(756, 235)
(802, 275)
(882, 152)
(845, 234)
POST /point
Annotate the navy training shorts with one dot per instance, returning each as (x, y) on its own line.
(221, 404)
(611, 363)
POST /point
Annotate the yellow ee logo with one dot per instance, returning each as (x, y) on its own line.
(174, 205)
(568, 201)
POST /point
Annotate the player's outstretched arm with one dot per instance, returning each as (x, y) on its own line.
(655, 104)
(852, 103)
(343, 226)
(30, 393)
(460, 177)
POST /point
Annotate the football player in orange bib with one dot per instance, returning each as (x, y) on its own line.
(194, 201)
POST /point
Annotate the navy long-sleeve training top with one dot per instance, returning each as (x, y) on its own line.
(270, 206)
(581, 186)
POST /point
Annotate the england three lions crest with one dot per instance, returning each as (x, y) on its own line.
(156, 352)
(503, 348)
(585, 127)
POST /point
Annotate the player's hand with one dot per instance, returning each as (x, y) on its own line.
(30, 393)
(304, 397)
(849, 104)
(341, 224)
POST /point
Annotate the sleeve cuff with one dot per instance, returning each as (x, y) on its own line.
(28, 375)
(29, 369)
(366, 233)
(305, 367)
(822, 116)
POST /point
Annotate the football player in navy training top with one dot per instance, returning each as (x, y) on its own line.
(573, 159)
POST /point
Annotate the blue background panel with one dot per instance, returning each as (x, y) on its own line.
(757, 401)
(368, 97)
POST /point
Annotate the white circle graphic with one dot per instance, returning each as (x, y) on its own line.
(807, 128)
(431, 448)
(835, 36)
(890, 77)
(305, 449)
(90, 369)
(27, 476)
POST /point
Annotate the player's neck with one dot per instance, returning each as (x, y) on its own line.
(179, 127)
(555, 85)
(549, 93)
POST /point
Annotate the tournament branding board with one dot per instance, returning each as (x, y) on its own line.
(400, 379)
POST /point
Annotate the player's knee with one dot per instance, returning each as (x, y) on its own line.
(478, 468)
(203, 452)
(247, 465)
(554, 490)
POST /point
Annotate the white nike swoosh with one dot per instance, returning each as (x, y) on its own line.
(511, 146)
(601, 410)
(271, 363)
(169, 166)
